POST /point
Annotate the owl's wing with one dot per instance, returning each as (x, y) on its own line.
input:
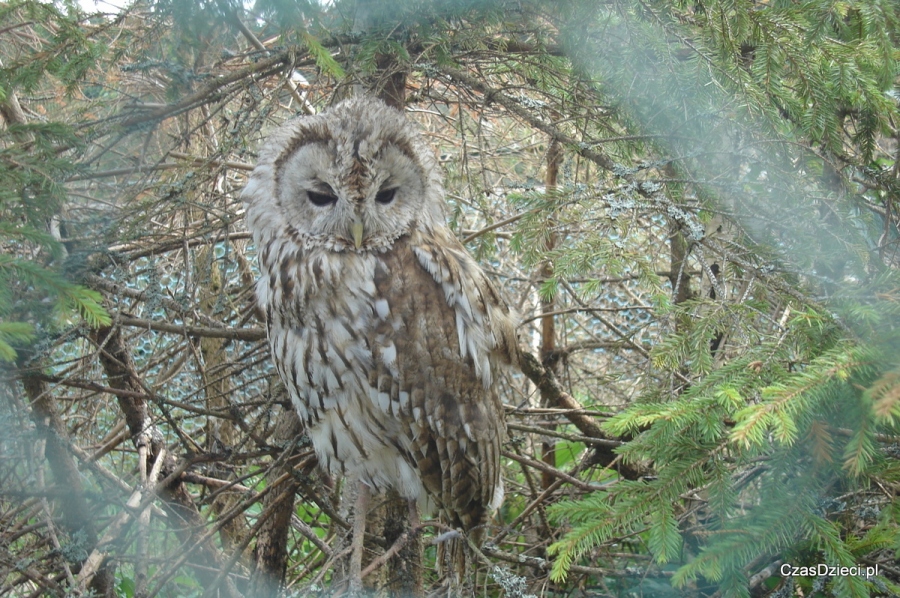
(484, 324)
(442, 331)
(486, 335)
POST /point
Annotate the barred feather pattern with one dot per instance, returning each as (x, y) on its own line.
(389, 341)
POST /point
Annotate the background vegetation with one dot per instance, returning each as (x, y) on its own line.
(693, 205)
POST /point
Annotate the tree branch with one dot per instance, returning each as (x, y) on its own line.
(550, 387)
(527, 115)
(239, 334)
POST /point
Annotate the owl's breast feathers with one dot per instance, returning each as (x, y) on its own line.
(390, 359)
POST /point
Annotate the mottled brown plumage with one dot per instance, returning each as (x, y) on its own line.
(386, 332)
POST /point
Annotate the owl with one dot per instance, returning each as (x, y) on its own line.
(387, 334)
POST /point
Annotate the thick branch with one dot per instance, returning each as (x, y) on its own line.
(550, 387)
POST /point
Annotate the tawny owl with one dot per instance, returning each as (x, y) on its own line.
(385, 331)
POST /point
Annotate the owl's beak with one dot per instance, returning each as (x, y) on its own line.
(356, 229)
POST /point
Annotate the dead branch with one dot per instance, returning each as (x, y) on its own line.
(241, 334)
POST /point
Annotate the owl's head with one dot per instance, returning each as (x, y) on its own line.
(353, 178)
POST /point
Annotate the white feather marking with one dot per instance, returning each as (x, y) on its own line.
(384, 401)
(465, 305)
(330, 379)
(382, 308)
(473, 347)
(449, 293)
(368, 286)
(299, 358)
(404, 400)
(321, 441)
(485, 370)
(338, 336)
(410, 485)
(417, 413)
(251, 188)
(416, 430)
(425, 260)
(389, 355)
(468, 430)
(301, 409)
(262, 291)
(461, 334)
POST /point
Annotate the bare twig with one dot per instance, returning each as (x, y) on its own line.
(241, 334)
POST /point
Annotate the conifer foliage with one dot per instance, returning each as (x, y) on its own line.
(693, 205)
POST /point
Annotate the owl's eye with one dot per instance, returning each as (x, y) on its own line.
(321, 199)
(385, 196)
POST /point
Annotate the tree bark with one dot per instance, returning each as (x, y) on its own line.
(270, 554)
(221, 433)
(548, 306)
